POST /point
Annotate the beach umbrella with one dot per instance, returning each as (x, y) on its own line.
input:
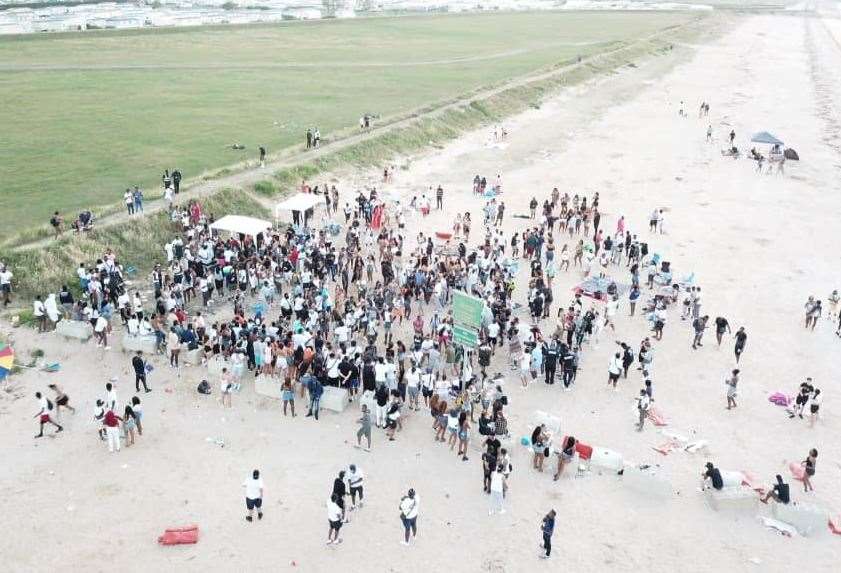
(7, 360)
(765, 137)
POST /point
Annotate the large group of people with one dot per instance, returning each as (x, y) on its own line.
(353, 301)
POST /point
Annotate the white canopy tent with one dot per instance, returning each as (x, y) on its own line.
(301, 206)
(300, 202)
(241, 224)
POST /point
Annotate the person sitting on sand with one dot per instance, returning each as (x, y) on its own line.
(778, 493)
(712, 474)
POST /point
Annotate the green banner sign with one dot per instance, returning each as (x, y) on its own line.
(467, 310)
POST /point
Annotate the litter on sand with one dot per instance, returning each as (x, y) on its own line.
(779, 526)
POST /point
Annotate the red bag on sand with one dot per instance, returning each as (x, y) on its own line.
(180, 535)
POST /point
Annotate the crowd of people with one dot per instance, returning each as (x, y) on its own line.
(352, 301)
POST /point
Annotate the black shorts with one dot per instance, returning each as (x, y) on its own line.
(336, 525)
(64, 400)
(354, 491)
(254, 503)
(613, 377)
(800, 400)
(427, 392)
(813, 408)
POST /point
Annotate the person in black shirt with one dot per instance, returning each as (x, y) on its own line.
(778, 493)
(714, 475)
(176, 181)
(550, 360)
(489, 460)
(262, 156)
(721, 326)
(340, 492)
(139, 366)
(741, 340)
(369, 377)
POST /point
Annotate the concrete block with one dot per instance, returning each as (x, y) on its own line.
(553, 423)
(606, 459)
(268, 386)
(646, 483)
(147, 344)
(334, 399)
(808, 519)
(193, 356)
(78, 329)
(733, 499)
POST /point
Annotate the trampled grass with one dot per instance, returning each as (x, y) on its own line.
(86, 115)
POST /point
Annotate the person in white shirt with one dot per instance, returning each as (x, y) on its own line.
(40, 314)
(614, 369)
(254, 495)
(43, 415)
(110, 397)
(334, 517)
(6, 284)
(409, 515)
(497, 481)
(355, 479)
(100, 329)
(643, 403)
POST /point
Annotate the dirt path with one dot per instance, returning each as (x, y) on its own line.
(295, 155)
(284, 65)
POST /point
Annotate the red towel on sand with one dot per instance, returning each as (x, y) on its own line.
(180, 535)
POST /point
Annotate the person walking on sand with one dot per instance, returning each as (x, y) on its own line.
(721, 326)
(732, 383)
(741, 341)
(409, 515)
(111, 421)
(699, 325)
(355, 479)
(226, 387)
(43, 415)
(614, 369)
(547, 528)
(709, 133)
(334, 518)
(732, 137)
(262, 156)
(364, 429)
(62, 400)
(809, 469)
(253, 495)
(814, 407)
(497, 481)
(643, 404)
(139, 366)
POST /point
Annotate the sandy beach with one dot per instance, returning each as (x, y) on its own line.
(758, 245)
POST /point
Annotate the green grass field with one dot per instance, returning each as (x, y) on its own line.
(85, 115)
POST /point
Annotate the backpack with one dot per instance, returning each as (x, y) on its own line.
(49, 404)
(203, 387)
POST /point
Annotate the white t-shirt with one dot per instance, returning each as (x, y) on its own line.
(101, 323)
(355, 478)
(5, 277)
(409, 507)
(253, 488)
(334, 512)
(342, 333)
(413, 379)
(496, 481)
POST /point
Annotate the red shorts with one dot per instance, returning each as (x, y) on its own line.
(45, 418)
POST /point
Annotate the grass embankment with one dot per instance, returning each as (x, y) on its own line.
(138, 243)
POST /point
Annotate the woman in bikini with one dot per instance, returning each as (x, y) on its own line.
(809, 473)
